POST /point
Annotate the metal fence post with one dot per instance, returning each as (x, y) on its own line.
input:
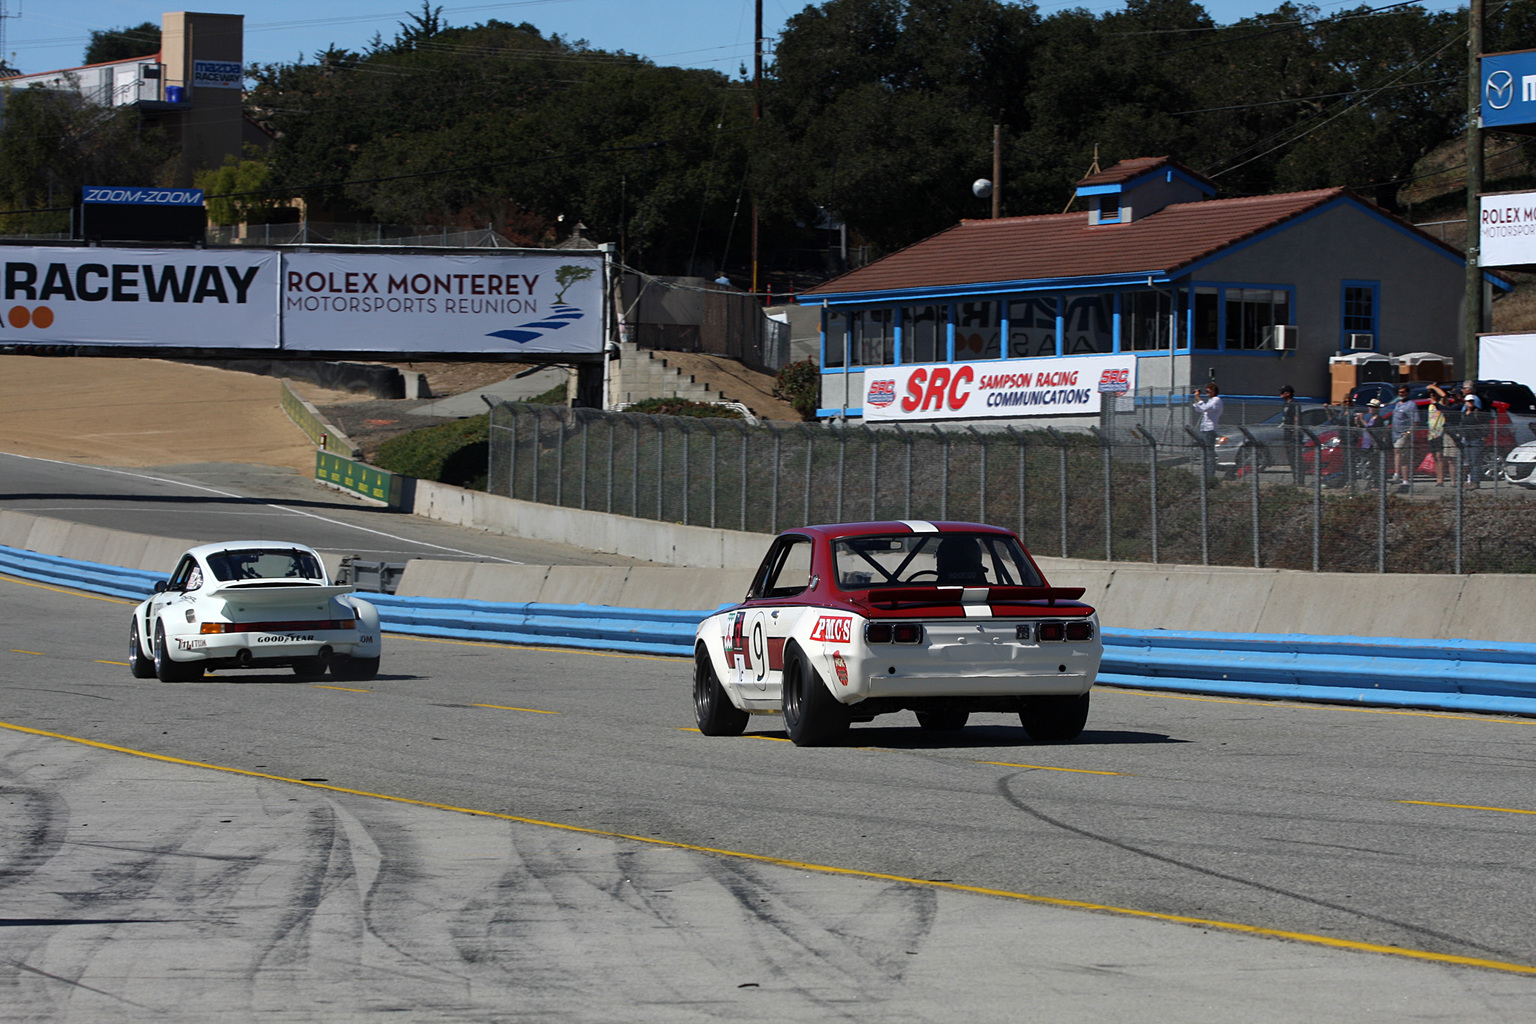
(909, 440)
(981, 505)
(874, 472)
(586, 456)
(1317, 497)
(1062, 442)
(560, 459)
(1020, 448)
(1381, 507)
(778, 453)
(714, 470)
(1253, 446)
(512, 455)
(634, 468)
(1109, 513)
(1151, 483)
(1461, 496)
(661, 465)
(745, 439)
(1205, 498)
(538, 428)
(810, 452)
(842, 466)
(682, 424)
(943, 472)
(613, 427)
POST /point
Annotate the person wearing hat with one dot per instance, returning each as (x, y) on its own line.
(1290, 418)
(1367, 422)
(1474, 433)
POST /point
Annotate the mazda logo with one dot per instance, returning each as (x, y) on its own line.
(1500, 89)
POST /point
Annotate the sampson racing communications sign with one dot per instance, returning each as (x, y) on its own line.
(154, 297)
(1070, 385)
(506, 303)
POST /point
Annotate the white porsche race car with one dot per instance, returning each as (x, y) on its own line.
(851, 621)
(253, 604)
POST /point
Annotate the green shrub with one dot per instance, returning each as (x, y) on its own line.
(682, 407)
(799, 384)
(454, 453)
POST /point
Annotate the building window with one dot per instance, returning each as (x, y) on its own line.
(1207, 315)
(1089, 324)
(1032, 326)
(923, 336)
(1252, 314)
(1109, 209)
(1146, 320)
(836, 327)
(873, 341)
(978, 331)
(1360, 314)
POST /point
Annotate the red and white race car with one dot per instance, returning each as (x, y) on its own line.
(850, 621)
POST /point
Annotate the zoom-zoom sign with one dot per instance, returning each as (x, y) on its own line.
(141, 297)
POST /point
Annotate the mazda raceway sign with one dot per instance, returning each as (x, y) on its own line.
(514, 302)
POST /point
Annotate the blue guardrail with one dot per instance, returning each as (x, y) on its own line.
(1447, 675)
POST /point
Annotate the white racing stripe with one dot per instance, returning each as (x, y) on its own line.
(919, 526)
(978, 611)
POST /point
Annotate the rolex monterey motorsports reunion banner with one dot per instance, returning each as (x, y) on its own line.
(507, 302)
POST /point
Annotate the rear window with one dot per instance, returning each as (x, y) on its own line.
(275, 564)
(932, 559)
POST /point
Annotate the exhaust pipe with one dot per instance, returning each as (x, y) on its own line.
(243, 659)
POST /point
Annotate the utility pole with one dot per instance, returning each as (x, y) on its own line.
(757, 113)
(997, 171)
(1474, 290)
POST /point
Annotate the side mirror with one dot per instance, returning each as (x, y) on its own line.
(161, 585)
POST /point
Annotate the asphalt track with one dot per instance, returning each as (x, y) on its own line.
(492, 833)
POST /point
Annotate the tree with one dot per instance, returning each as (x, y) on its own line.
(237, 193)
(111, 44)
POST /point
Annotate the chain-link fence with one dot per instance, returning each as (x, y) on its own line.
(1319, 498)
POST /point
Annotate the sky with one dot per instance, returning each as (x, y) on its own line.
(45, 35)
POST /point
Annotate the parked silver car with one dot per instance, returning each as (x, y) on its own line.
(1270, 433)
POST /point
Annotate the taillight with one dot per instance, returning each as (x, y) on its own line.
(878, 633)
(1052, 631)
(1079, 631)
(907, 633)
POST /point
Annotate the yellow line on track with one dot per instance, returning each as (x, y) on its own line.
(1049, 768)
(348, 689)
(1466, 807)
(121, 664)
(66, 590)
(1318, 706)
(503, 707)
(17, 650)
(758, 858)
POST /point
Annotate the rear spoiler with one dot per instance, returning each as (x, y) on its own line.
(972, 595)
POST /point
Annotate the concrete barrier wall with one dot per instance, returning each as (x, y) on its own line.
(708, 568)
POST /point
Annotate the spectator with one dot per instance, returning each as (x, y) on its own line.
(1367, 422)
(1439, 401)
(1210, 415)
(1403, 415)
(1474, 434)
(1290, 418)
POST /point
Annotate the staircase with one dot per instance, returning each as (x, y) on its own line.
(640, 374)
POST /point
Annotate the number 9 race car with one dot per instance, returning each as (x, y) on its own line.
(253, 604)
(846, 622)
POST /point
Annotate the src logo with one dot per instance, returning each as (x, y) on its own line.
(882, 393)
(1115, 382)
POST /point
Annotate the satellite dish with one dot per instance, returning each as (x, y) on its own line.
(981, 188)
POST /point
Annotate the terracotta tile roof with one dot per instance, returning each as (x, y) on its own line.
(1056, 246)
(1125, 170)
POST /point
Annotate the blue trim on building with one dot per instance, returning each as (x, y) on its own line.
(913, 296)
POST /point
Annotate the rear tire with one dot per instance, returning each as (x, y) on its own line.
(168, 670)
(942, 721)
(1055, 719)
(716, 715)
(139, 662)
(355, 669)
(309, 669)
(812, 716)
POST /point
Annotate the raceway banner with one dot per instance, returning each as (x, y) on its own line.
(1054, 386)
(183, 298)
(499, 302)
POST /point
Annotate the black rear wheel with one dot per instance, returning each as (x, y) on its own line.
(355, 669)
(167, 669)
(812, 716)
(1055, 719)
(139, 662)
(716, 715)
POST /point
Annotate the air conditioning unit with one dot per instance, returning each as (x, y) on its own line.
(1359, 341)
(1282, 337)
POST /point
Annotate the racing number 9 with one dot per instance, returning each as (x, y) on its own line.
(759, 651)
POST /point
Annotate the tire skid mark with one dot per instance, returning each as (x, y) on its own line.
(1248, 883)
